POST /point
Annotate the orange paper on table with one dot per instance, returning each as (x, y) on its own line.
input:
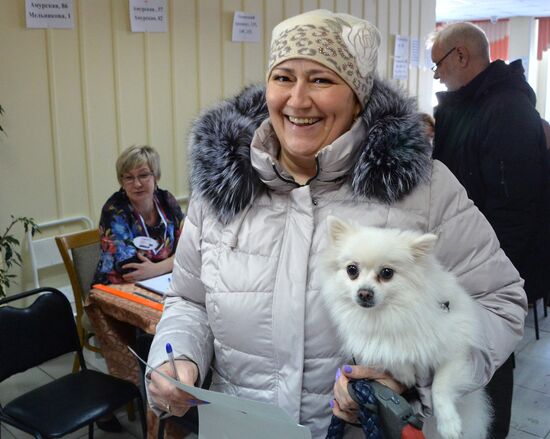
(129, 296)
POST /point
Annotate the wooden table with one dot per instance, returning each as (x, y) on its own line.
(115, 320)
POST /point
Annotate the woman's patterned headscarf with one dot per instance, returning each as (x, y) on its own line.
(345, 44)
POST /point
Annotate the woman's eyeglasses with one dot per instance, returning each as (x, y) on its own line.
(142, 178)
(437, 64)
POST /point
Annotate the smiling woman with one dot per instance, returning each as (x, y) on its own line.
(269, 166)
(314, 89)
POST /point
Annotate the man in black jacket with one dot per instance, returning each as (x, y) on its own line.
(490, 136)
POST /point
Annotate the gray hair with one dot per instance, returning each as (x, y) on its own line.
(138, 155)
(463, 34)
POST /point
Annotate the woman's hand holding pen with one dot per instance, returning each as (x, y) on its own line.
(168, 397)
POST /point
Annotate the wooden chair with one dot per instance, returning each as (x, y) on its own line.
(43, 252)
(80, 254)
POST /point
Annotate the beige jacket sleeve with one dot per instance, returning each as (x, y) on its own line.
(468, 247)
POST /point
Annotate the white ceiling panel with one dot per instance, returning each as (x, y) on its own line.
(463, 10)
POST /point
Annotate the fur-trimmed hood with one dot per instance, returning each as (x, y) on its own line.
(394, 158)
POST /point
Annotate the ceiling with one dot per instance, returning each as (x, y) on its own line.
(461, 10)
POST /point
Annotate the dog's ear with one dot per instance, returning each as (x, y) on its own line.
(423, 245)
(337, 229)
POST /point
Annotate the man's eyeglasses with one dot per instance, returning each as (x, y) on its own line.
(437, 64)
(142, 178)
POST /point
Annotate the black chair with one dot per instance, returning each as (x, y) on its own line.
(545, 305)
(40, 332)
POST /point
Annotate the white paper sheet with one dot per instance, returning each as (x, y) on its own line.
(157, 284)
(415, 52)
(228, 417)
(246, 27)
(148, 15)
(401, 58)
(49, 14)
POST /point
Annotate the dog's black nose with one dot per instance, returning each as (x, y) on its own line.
(365, 297)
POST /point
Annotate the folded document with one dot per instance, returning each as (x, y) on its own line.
(227, 417)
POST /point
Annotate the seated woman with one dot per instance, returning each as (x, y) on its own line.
(326, 137)
(140, 224)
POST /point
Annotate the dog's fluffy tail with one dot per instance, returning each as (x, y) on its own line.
(476, 414)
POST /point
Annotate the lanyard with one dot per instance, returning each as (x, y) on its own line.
(146, 230)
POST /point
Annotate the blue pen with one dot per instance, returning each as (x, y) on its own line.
(170, 354)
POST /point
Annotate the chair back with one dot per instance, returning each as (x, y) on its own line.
(43, 250)
(42, 331)
(80, 254)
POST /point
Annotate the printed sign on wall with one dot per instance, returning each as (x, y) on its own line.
(245, 27)
(415, 52)
(401, 58)
(49, 14)
(428, 58)
(148, 16)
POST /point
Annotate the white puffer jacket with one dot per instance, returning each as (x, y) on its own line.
(245, 293)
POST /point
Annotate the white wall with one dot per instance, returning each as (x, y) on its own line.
(75, 98)
(523, 45)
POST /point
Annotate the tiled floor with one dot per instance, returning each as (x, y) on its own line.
(530, 410)
(531, 405)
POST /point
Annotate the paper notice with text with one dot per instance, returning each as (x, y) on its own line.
(49, 14)
(246, 28)
(148, 15)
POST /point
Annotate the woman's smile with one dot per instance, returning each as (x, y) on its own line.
(309, 106)
(303, 121)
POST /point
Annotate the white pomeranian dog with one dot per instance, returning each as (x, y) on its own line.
(398, 310)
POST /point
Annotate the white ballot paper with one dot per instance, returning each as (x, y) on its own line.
(157, 284)
(229, 417)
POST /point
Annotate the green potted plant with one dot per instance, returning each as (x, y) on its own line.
(9, 250)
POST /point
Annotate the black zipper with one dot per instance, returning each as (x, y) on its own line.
(294, 182)
(288, 180)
